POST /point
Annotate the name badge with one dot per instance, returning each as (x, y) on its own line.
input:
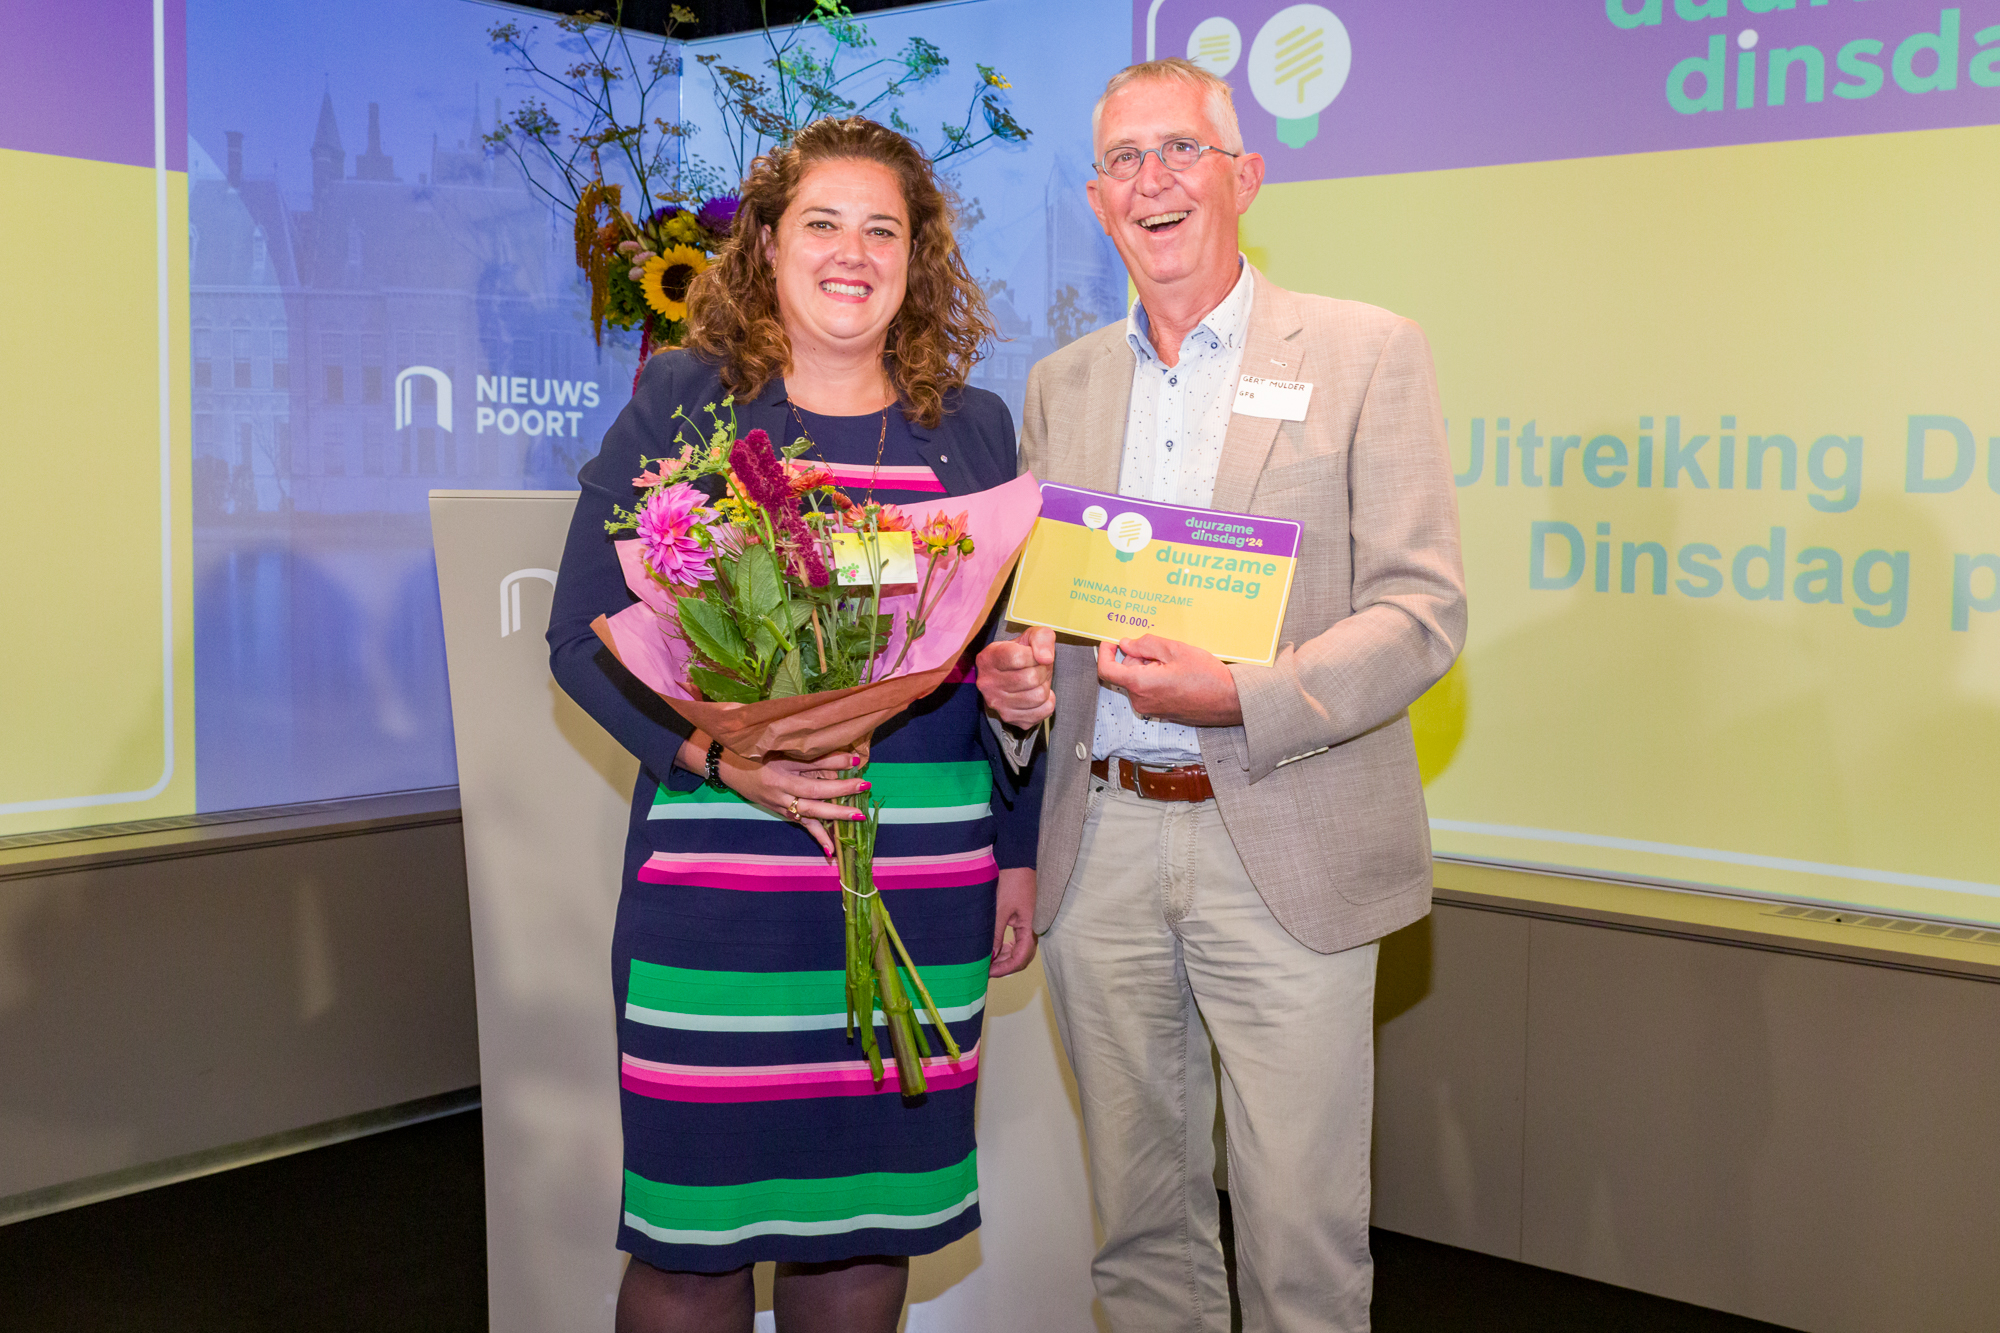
(1281, 400)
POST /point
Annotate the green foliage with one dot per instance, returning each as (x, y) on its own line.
(713, 633)
(796, 84)
(789, 681)
(562, 162)
(606, 92)
(760, 590)
(720, 688)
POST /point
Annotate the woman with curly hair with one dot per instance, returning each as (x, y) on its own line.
(840, 311)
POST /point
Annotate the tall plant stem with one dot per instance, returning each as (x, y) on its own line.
(917, 980)
(904, 1039)
(925, 606)
(876, 960)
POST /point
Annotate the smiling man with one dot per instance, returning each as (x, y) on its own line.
(1222, 845)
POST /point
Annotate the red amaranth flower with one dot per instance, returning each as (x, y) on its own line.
(761, 474)
(767, 482)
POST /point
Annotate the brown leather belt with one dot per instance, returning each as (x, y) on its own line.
(1188, 782)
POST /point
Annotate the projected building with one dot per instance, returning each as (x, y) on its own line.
(1068, 268)
(304, 319)
(340, 342)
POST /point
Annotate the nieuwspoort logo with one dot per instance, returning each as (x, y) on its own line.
(406, 396)
(521, 405)
(1940, 58)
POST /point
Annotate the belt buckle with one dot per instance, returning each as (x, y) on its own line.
(1139, 772)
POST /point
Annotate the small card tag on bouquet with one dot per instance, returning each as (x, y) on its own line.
(897, 555)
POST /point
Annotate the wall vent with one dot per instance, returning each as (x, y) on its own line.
(1897, 925)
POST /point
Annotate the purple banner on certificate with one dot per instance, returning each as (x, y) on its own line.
(1173, 523)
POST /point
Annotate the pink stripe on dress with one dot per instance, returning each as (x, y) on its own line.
(749, 873)
(766, 1083)
(851, 475)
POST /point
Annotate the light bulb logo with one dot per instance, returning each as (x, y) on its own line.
(1298, 65)
(1129, 534)
(1094, 517)
(1216, 45)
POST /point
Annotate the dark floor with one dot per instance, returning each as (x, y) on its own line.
(387, 1234)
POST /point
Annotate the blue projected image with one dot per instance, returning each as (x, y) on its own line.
(380, 309)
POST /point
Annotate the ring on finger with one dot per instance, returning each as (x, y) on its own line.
(792, 810)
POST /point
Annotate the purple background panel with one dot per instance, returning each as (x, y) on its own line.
(1437, 84)
(76, 80)
(1171, 523)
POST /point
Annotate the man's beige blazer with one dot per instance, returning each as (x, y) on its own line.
(1318, 787)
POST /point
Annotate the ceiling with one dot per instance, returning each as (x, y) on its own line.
(713, 18)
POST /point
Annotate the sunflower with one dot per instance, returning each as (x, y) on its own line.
(667, 277)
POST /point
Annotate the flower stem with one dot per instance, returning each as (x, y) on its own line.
(901, 1019)
(874, 950)
(917, 980)
(925, 606)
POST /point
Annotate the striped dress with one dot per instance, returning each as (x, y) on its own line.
(753, 1128)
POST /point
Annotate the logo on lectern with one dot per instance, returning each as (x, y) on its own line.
(510, 596)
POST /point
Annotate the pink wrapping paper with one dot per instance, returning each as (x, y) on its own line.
(812, 725)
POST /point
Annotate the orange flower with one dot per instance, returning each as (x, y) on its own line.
(941, 534)
(807, 476)
(886, 518)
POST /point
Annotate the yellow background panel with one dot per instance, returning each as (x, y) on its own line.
(1825, 287)
(81, 660)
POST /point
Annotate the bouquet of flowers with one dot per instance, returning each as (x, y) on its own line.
(640, 268)
(780, 616)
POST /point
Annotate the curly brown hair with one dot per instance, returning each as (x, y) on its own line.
(939, 332)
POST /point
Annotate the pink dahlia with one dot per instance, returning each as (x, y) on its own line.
(667, 524)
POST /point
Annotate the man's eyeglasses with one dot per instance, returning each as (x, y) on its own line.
(1122, 164)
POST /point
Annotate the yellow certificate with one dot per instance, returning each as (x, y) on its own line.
(1110, 567)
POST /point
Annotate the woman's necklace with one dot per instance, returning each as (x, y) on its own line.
(882, 439)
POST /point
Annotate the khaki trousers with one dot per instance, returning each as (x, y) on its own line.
(1162, 944)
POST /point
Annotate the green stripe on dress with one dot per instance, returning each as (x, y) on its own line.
(723, 1214)
(690, 991)
(926, 791)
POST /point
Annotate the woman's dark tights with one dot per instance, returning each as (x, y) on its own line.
(851, 1296)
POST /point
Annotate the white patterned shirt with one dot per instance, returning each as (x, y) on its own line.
(1173, 444)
